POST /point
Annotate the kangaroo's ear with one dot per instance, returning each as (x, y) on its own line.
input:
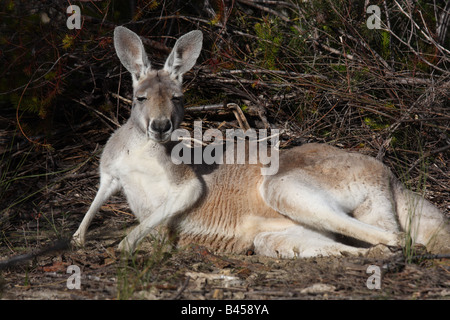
(184, 54)
(131, 52)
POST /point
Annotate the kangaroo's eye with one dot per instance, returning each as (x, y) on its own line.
(176, 99)
(140, 99)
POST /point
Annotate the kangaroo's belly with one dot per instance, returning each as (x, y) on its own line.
(231, 212)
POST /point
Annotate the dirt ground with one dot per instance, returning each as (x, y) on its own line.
(159, 271)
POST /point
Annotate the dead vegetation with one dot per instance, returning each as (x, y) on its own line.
(312, 69)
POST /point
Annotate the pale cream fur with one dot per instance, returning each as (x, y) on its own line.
(319, 191)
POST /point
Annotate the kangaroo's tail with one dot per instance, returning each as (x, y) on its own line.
(421, 219)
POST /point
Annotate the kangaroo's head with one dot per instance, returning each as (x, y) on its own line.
(157, 94)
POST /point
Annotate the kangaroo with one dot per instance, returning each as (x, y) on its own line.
(319, 191)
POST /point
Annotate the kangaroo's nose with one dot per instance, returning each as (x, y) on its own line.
(161, 126)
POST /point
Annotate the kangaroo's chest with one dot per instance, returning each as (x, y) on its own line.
(144, 180)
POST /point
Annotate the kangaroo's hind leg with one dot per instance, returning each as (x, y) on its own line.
(300, 242)
(312, 206)
(378, 209)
